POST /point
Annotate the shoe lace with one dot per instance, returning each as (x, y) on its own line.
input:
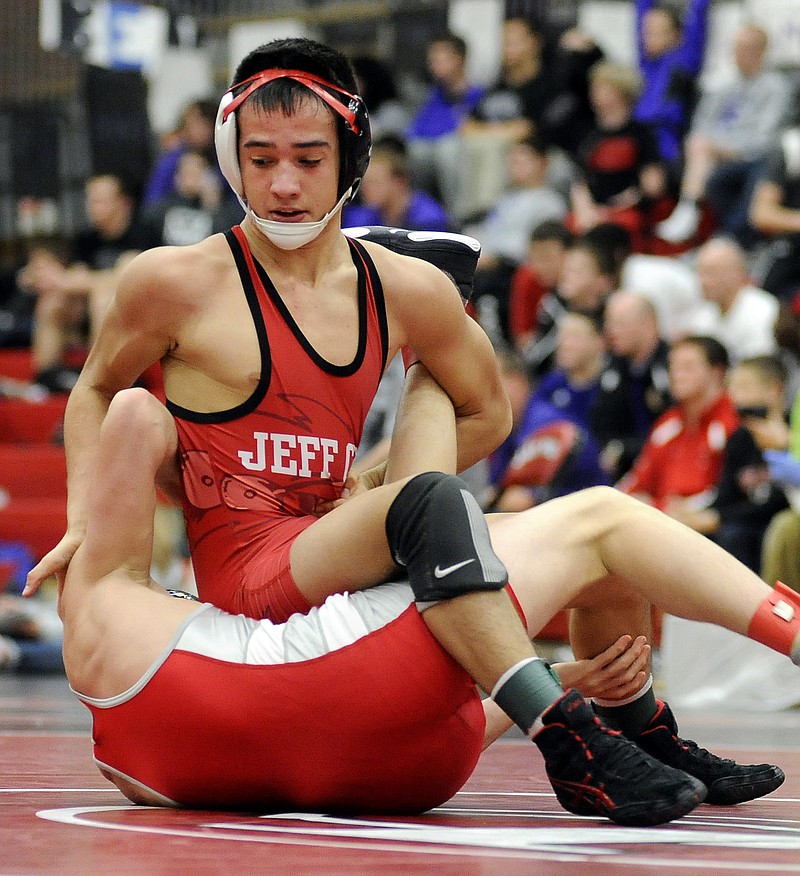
(624, 757)
(694, 751)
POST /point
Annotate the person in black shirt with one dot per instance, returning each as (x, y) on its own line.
(622, 169)
(72, 298)
(634, 385)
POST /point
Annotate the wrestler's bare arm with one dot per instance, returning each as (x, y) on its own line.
(140, 327)
(425, 312)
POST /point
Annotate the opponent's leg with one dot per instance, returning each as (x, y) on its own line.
(599, 546)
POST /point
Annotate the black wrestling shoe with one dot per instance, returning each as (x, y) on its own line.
(728, 782)
(598, 771)
(455, 254)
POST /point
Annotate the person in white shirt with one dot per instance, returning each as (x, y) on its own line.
(736, 313)
(732, 129)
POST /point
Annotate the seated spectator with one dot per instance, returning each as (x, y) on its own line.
(196, 208)
(671, 54)
(775, 212)
(536, 92)
(622, 170)
(549, 453)
(669, 283)
(680, 465)
(73, 298)
(739, 315)
(387, 198)
(747, 499)
(534, 278)
(432, 136)
(634, 386)
(574, 382)
(588, 275)
(731, 131)
(504, 234)
(388, 115)
(195, 132)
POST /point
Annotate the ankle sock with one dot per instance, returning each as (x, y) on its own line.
(632, 715)
(526, 690)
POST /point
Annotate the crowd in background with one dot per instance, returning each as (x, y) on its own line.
(639, 275)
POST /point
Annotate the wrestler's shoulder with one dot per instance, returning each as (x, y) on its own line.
(194, 265)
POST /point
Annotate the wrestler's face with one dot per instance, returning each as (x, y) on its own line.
(289, 163)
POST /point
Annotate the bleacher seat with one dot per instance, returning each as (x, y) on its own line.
(37, 471)
(31, 422)
(37, 523)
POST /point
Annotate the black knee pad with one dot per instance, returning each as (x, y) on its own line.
(437, 530)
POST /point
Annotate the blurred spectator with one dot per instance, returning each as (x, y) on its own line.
(747, 499)
(669, 283)
(775, 212)
(622, 170)
(535, 277)
(432, 137)
(681, 462)
(573, 384)
(549, 453)
(634, 385)
(537, 92)
(195, 132)
(731, 131)
(671, 56)
(388, 115)
(739, 315)
(526, 202)
(30, 635)
(72, 299)
(196, 208)
(387, 198)
(588, 275)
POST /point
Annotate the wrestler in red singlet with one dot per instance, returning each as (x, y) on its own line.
(253, 474)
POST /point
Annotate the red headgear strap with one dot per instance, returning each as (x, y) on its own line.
(314, 83)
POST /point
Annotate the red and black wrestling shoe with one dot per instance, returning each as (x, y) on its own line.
(728, 782)
(455, 254)
(598, 771)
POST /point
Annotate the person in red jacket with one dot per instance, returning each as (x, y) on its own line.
(681, 462)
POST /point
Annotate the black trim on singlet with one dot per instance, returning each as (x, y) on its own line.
(364, 266)
(251, 403)
(377, 297)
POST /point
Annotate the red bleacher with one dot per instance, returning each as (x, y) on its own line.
(33, 474)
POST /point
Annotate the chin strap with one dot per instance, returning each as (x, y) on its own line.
(776, 622)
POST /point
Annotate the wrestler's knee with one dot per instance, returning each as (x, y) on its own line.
(138, 413)
(603, 508)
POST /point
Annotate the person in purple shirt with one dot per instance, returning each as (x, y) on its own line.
(670, 59)
(387, 197)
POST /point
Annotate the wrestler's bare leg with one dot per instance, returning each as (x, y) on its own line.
(599, 549)
(116, 619)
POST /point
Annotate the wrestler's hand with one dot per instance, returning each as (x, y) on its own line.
(616, 673)
(354, 486)
(53, 563)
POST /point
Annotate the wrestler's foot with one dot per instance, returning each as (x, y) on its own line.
(455, 254)
(597, 771)
(728, 782)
